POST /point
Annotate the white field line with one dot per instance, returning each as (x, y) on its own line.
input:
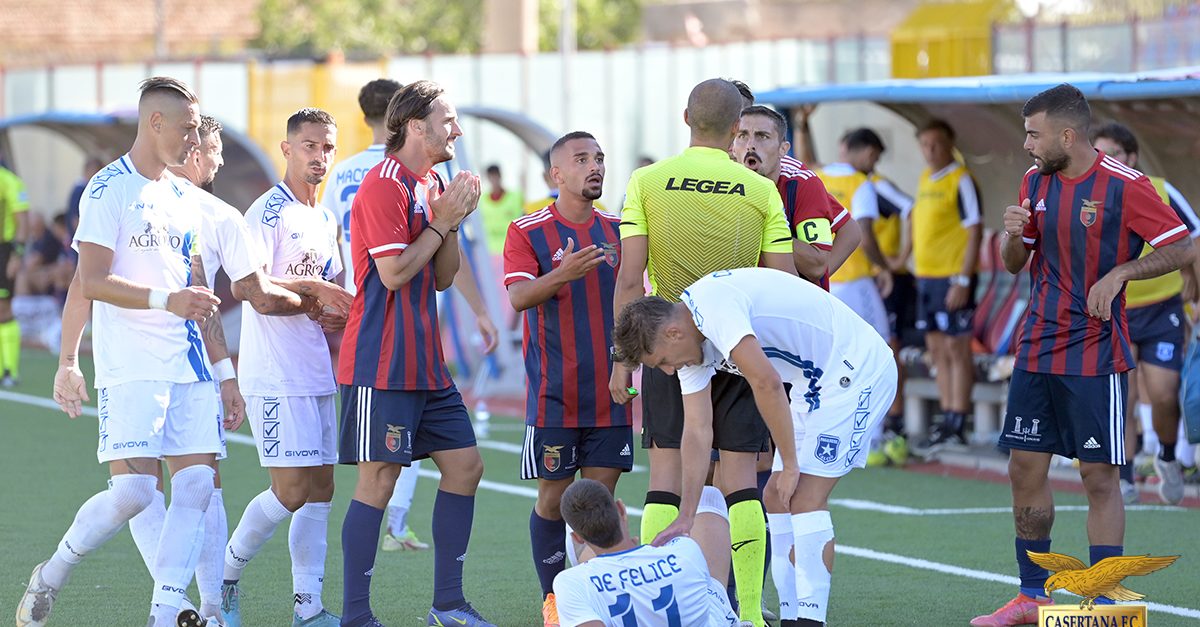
(879, 556)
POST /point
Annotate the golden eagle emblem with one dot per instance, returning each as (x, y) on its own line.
(1101, 580)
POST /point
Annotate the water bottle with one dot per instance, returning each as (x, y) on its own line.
(482, 419)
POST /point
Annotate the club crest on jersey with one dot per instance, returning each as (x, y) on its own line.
(552, 457)
(827, 448)
(1087, 215)
(394, 438)
(612, 255)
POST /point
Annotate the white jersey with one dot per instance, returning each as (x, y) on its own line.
(647, 585)
(225, 240)
(813, 339)
(288, 355)
(339, 194)
(153, 228)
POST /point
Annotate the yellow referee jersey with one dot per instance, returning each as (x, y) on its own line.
(702, 212)
(1160, 288)
(13, 200)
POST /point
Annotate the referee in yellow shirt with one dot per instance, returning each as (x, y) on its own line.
(946, 232)
(686, 217)
(14, 205)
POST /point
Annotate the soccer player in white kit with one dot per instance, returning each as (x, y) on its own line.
(631, 584)
(287, 376)
(137, 234)
(772, 328)
(338, 196)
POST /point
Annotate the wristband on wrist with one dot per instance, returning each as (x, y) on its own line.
(158, 298)
(223, 370)
(960, 280)
(431, 227)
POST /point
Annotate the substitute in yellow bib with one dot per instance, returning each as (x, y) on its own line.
(686, 217)
(1157, 335)
(946, 231)
(14, 206)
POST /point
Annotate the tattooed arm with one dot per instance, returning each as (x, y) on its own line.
(213, 332)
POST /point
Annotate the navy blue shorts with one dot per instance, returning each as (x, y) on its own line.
(931, 308)
(1078, 417)
(1157, 332)
(901, 304)
(399, 426)
(558, 452)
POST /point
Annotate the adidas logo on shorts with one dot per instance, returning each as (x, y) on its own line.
(625, 452)
(1091, 443)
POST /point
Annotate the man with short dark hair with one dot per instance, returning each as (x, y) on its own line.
(946, 226)
(689, 589)
(398, 400)
(1068, 389)
(561, 270)
(1157, 337)
(770, 329)
(156, 395)
(287, 376)
(815, 216)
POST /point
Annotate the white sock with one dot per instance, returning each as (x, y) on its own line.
(258, 523)
(812, 531)
(182, 535)
(1149, 436)
(1185, 451)
(307, 543)
(146, 529)
(211, 567)
(401, 501)
(783, 572)
(98, 520)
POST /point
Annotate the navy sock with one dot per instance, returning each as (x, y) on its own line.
(761, 478)
(360, 540)
(452, 518)
(1126, 471)
(549, 556)
(1101, 551)
(1033, 577)
(1166, 451)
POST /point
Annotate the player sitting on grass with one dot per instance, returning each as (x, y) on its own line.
(629, 584)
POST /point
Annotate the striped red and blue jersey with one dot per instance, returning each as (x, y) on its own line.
(566, 338)
(1080, 230)
(392, 340)
(805, 199)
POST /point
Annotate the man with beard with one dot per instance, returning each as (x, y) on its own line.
(287, 375)
(398, 400)
(560, 267)
(816, 217)
(1085, 217)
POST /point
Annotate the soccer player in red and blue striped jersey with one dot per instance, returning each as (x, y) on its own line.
(560, 266)
(1085, 217)
(398, 401)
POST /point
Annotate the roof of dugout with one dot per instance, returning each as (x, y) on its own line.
(247, 171)
(1162, 108)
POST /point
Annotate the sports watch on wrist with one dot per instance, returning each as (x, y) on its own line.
(960, 280)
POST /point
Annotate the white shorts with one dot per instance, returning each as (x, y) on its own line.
(836, 437)
(863, 297)
(295, 431)
(158, 419)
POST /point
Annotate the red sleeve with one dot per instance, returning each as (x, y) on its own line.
(380, 215)
(838, 215)
(1031, 234)
(807, 199)
(1147, 215)
(520, 261)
